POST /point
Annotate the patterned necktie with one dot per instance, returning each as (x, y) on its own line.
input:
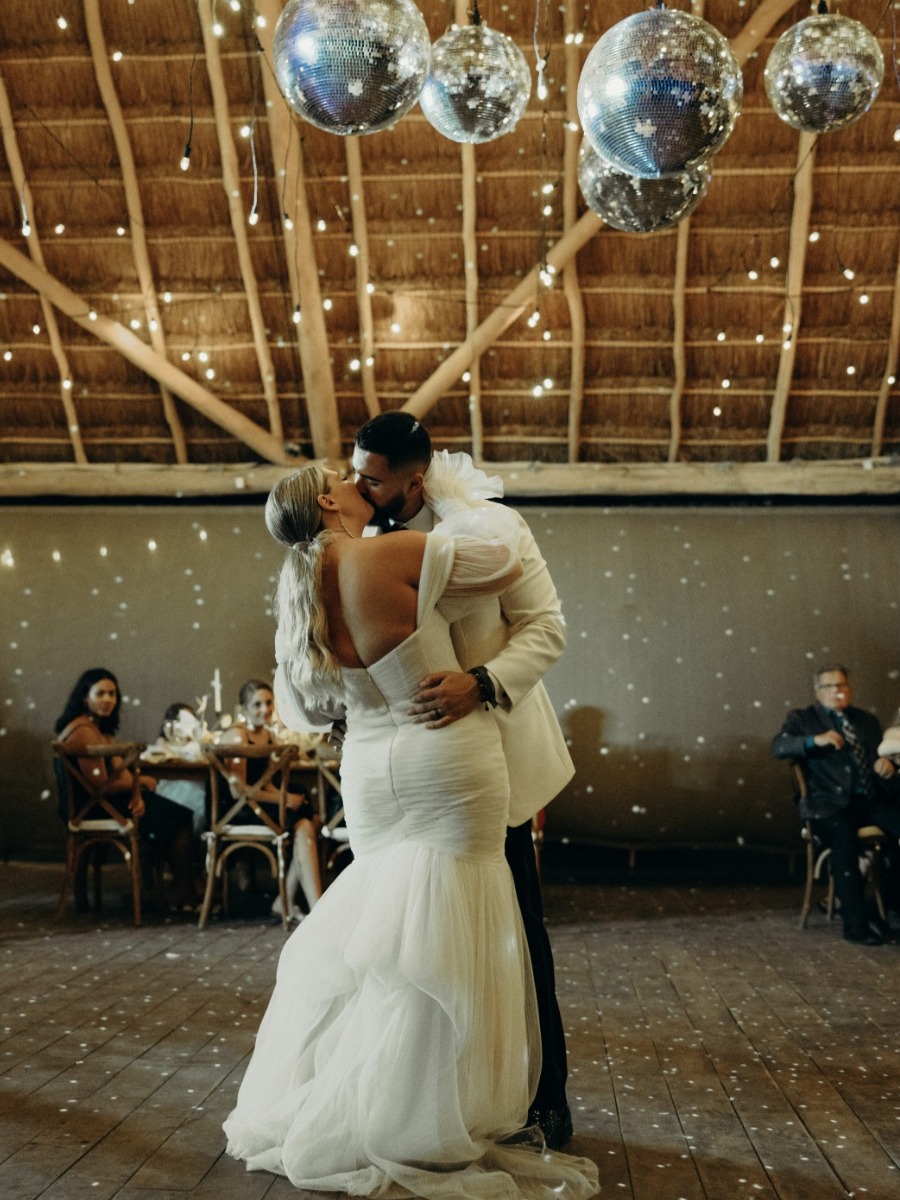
(863, 767)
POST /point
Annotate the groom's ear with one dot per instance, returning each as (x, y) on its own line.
(416, 483)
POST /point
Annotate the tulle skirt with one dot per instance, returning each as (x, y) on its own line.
(398, 1053)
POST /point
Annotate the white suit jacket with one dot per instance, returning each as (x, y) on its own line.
(518, 636)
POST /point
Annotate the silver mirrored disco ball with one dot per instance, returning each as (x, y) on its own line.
(660, 92)
(351, 66)
(638, 205)
(477, 86)
(824, 73)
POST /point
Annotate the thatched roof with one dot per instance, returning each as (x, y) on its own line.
(94, 120)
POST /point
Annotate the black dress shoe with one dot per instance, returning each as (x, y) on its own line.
(554, 1123)
(863, 935)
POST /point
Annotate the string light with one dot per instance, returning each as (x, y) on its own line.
(864, 299)
(774, 262)
(92, 314)
(167, 297)
(35, 329)
(328, 305)
(760, 338)
(288, 223)
(851, 370)
(320, 225)
(814, 236)
(26, 224)
(120, 230)
(354, 364)
(370, 289)
(354, 250)
(254, 214)
(7, 355)
(62, 22)
(186, 153)
(848, 273)
(60, 228)
(117, 55)
(395, 328)
(754, 275)
(296, 316)
(726, 383)
(717, 412)
(720, 336)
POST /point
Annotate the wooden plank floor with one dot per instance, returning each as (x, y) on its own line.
(716, 1051)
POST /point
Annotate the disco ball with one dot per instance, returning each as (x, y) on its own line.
(659, 93)
(638, 205)
(824, 73)
(477, 86)
(351, 66)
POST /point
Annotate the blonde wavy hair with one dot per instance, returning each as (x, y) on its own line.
(294, 519)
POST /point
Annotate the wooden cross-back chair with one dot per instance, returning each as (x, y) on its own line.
(93, 823)
(334, 837)
(870, 840)
(231, 825)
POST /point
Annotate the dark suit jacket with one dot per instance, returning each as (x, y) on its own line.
(830, 775)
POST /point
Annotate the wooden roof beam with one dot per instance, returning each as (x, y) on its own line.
(143, 356)
(793, 287)
(571, 285)
(110, 99)
(469, 210)
(231, 180)
(566, 482)
(890, 370)
(363, 296)
(20, 182)
(300, 253)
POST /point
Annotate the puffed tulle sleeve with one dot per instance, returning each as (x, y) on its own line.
(471, 555)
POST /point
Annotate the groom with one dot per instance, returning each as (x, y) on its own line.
(506, 647)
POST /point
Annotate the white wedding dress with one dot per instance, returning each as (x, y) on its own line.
(401, 1045)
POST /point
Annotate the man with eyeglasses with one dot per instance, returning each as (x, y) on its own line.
(848, 785)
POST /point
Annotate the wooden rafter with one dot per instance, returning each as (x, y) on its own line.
(567, 481)
(20, 182)
(470, 275)
(506, 312)
(469, 212)
(300, 251)
(571, 285)
(231, 182)
(363, 296)
(890, 370)
(141, 355)
(793, 286)
(678, 328)
(110, 98)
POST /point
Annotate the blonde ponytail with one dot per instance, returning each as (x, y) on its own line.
(294, 518)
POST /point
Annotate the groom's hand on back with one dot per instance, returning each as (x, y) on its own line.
(443, 698)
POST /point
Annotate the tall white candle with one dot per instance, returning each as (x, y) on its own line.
(217, 690)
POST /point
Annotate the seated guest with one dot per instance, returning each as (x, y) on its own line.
(890, 742)
(837, 746)
(180, 736)
(91, 718)
(257, 705)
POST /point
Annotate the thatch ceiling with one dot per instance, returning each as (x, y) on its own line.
(634, 339)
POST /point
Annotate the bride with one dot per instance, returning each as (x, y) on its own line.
(400, 1048)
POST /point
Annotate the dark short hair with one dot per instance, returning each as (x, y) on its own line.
(397, 435)
(820, 671)
(172, 713)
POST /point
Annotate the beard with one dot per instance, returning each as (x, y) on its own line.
(389, 510)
